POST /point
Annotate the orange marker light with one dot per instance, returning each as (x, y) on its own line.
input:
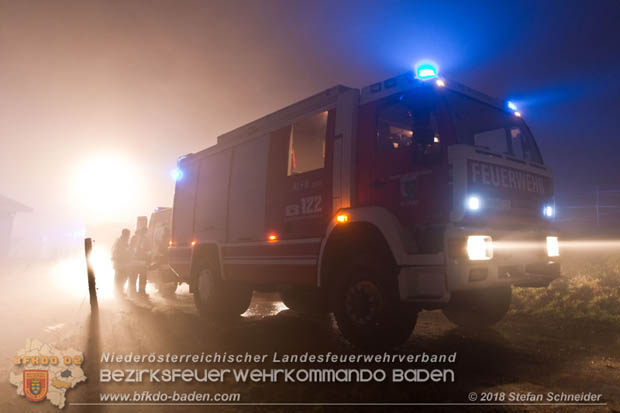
(342, 218)
(272, 237)
(170, 243)
(193, 243)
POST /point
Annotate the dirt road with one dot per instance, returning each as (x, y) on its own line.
(519, 355)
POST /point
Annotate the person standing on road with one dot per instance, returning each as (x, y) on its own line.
(141, 253)
(121, 259)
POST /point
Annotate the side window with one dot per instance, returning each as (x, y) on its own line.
(395, 127)
(307, 144)
(517, 143)
(492, 140)
(399, 126)
(523, 145)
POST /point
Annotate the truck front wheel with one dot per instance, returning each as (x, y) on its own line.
(217, 299)
(478, 309)
(368, 309)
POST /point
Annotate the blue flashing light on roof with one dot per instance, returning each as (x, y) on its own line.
(177, 174)
(511, 105)
(426, 71)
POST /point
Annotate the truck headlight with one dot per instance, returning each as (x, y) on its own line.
(473, 203)
(553, 247)
(479, 247)
(548, 211)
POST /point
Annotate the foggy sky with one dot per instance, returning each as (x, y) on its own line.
(152, 80)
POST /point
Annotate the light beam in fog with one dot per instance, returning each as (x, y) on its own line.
(70, 274)
(573, 245)
(591, 244)
(108, 187)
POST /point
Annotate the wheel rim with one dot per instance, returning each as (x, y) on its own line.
(363, 303)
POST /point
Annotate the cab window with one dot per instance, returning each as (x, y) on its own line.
(401, 125)
(307, 144)
(493, 140)
(523, 145)
(491, 128)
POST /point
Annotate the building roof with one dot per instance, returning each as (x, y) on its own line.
(9, 205)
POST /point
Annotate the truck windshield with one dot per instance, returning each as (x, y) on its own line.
(490, 128)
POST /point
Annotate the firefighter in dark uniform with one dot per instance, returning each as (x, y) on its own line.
(141, 254)
(121, 259)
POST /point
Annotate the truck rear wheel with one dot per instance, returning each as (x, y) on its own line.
(367, 306)
(218, 299)
(478, 309)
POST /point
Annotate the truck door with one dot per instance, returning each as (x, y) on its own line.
(406, 167)
(298, 206)
(300, 178)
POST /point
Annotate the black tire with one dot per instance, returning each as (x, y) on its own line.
(167, 289)
(304, 302)
(367, 305)
(216, 299)
(478, 309)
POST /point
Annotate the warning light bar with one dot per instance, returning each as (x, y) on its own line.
(426, 71)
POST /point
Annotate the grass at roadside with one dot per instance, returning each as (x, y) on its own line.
(589, 290)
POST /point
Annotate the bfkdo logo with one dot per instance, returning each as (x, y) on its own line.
(41, 371)
(36, 383)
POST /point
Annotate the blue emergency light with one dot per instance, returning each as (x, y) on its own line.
(511, 105)
(177, 174)
(426, 71)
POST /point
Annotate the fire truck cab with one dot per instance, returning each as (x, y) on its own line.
(412, 193)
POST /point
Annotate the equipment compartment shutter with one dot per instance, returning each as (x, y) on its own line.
(211, 199)
(184, 195)
(247, 191)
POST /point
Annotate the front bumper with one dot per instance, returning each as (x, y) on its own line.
(520, 260)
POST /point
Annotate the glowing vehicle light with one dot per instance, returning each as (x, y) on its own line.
(170, 243)
(511, 105)
(177, 174)
(272, 237)
(473, 203)
(193, 243)
(440, 83)
(426, 71)
(548, 211)
(517, 114)
(342, 218)
(553, 247)
(479, 247)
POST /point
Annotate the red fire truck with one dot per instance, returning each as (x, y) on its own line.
(412, 193)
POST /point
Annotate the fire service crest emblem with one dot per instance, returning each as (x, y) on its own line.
(36, 384)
